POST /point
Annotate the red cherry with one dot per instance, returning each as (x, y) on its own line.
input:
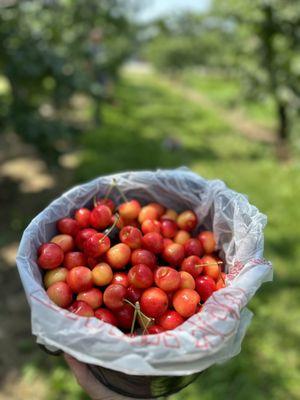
(50, 256)
(169, 214)
(153, 242)
(185, 302)
(159, 208)
(168, 279)
(102, 274)
(68, 226)
(80, 279)
(83, 235)
(211, 267)
(187, 220)
(207, 240)
(92, 297)
(55, 275)
(82, 216)
(61, 294)
(170, 320)
(182, 237)
(150, 225)
(113, 296)
(140, 276)
(187, 280)
(142, 256)
(221, 282)
(205, 286)
(193, 247)
(118, 256)
(154, 302)
(119, 221)
(154, 329)
(96, 245)
(121, 278)
(130, 209)
(65, 242)
(133, 294)
(124, 316)
(106, 202)
(168, 228)
(192, 265)
(173, 254)
(147, 212)
(100, 217)
(167, 242)
(81, 308)
(106, 316)
(131, 236)
(74, 259)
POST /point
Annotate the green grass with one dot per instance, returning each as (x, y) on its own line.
(135, 127)
(227, 92)
(147, 113)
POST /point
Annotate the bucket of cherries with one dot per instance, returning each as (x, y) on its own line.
(141, 267)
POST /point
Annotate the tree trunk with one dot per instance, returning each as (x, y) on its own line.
(283, 131)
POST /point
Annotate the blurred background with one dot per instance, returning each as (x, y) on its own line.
(89, 88)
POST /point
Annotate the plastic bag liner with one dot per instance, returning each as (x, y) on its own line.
(211, 336)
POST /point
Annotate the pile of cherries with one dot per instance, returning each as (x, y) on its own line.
(136, 267)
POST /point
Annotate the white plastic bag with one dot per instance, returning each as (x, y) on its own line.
(211, 336)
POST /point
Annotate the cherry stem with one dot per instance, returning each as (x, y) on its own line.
(136, 307)
(141, 315)
(108, 192)
(129, 302)
(95, 201)
(111, 228)
(207, 264)
(214, 263)
(110, 188)
(120, 191)
(144, 317)
(133, 321)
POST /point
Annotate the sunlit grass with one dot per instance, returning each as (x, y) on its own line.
(229, 93)
(4, 85)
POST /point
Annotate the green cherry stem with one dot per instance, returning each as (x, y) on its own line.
(111, 228)
(136, 310)
(95, 201)
(143, 319)
(208, 264)
(110, 188)
(120, 191)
